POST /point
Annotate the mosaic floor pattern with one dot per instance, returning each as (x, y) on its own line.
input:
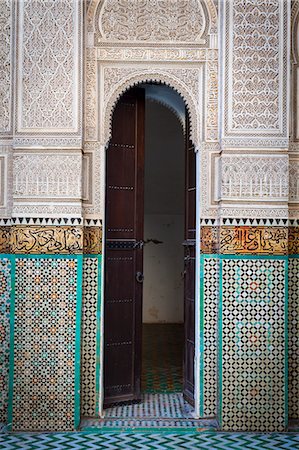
(146, 441)
(162, 360)
(155, 411)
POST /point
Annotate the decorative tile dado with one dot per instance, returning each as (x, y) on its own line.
(92, 240)
(209, 312)
(46, 239)
(90, 337)
(6, 45)
(293, 342)
(255, 99)
(254, 240)
(5, 291)
(46, 344)
(49, 67)
(209, 239)
(253, 345)
(169, 21)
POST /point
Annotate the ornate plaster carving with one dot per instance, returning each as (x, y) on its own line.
(94, 7)
(294, 179)
(186, 81)
(47, 176)
(96, 181)
(5, 180)
(49, 91)
(255, 70)
(151, 21)
(6, 66)
(254, 177)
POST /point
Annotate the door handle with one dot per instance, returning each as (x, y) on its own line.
(139, 277)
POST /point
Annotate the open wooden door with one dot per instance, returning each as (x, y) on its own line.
(189, 267)
(123, 251)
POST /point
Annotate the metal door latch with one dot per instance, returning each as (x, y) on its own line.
(139, 277)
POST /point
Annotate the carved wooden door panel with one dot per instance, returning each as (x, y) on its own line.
(189, 263)
(123, 251)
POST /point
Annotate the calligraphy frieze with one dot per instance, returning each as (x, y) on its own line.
(209, 239)
(293, 241)
(254, 240)
(92, 240)
(4, 239)
(46, 239)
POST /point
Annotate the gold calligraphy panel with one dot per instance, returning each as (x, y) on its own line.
(254, 240)
(46, 239)
(293, 240)
(92, 242)
(209, 239)
(5, 239)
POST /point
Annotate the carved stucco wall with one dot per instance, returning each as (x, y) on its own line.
(48, 109)
(119, 58)
(255, 109)
(294, 125)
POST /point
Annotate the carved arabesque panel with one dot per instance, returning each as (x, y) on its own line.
(255, 73)
(48, 66)
(152, 21)
(5, 65)
(254, 177)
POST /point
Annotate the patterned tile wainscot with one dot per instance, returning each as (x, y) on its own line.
(45, 343)
(253, 343)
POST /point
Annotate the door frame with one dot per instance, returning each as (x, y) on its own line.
(197, 310)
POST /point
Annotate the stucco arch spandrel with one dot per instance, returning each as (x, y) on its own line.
(94, 6)
(151, 77)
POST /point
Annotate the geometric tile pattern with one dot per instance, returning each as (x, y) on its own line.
(162, 357)
(153, 405)
(152, 440)
(208, 404)
(253, 345)
(91, 424)
(293, 341)
(89, 335)
(5, 289)
(46, 359)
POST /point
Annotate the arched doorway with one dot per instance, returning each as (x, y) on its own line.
(126, 200)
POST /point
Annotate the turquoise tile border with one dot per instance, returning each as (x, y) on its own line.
(201, 337)
(11, 343)
(98, 331)
(77, 412)
(77, 377)
(98, 343)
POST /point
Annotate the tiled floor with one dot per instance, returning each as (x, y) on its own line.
(162, 359)
(147, 441)
(155, 411)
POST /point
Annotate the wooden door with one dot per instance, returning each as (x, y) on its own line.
(189, 267)
(123, 251)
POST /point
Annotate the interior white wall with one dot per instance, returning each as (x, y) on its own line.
(164, 216)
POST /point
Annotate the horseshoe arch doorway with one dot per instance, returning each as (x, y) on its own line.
(134, 169)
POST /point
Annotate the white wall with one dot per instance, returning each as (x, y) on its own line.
(164, 216)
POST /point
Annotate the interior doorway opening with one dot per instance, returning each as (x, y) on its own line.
(149, 296)
(163, 256)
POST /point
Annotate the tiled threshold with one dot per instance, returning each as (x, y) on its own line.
(156, 411)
